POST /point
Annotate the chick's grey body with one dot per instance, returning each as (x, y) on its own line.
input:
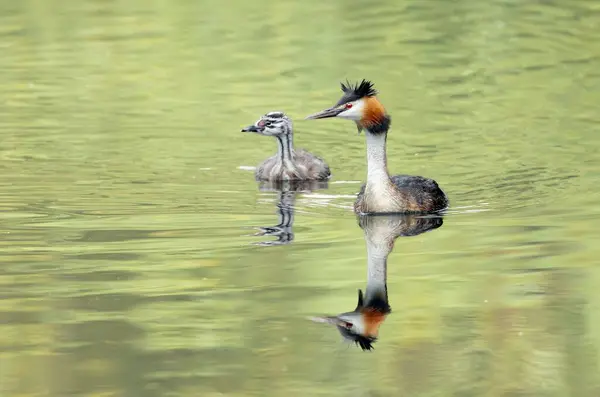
(303, 166)
(289, 163)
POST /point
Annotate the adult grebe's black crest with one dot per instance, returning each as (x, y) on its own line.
(357, 91)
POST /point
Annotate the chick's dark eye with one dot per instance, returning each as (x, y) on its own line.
(348, 325)
(348, 105)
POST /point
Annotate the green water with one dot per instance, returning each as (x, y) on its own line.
(129, 263)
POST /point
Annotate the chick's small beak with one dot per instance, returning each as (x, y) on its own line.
(251, 128)
(331, 112)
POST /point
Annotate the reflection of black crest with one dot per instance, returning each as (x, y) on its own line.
(356, 91)
(378, 303)
(365, 342)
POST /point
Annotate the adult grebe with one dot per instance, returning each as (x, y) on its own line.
(288, 163)
(382, 193)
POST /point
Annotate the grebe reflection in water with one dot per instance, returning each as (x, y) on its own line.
(361, 325)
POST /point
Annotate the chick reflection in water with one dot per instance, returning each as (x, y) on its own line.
(287, 192)
(361, 325)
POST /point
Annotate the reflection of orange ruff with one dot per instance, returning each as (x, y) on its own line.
(373, 112)
(373, 319)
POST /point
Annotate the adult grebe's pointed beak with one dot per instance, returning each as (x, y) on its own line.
(324, 319)
(331, 112)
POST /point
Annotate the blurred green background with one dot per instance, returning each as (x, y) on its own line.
(128, 264)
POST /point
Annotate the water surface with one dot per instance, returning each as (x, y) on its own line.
(129, 262)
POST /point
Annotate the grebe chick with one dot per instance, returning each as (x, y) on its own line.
(382, 193)
(288, 163)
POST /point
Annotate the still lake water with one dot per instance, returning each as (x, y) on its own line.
(131, 262)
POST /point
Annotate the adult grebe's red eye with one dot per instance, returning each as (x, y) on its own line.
(348, 105)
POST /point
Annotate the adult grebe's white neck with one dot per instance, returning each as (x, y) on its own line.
(377, 172)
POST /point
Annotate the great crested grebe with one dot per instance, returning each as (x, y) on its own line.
(361, 326)
(382, 193)
(288, 163)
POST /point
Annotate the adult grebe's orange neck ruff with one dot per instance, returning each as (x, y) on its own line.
(375, 119)
(373, 318)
